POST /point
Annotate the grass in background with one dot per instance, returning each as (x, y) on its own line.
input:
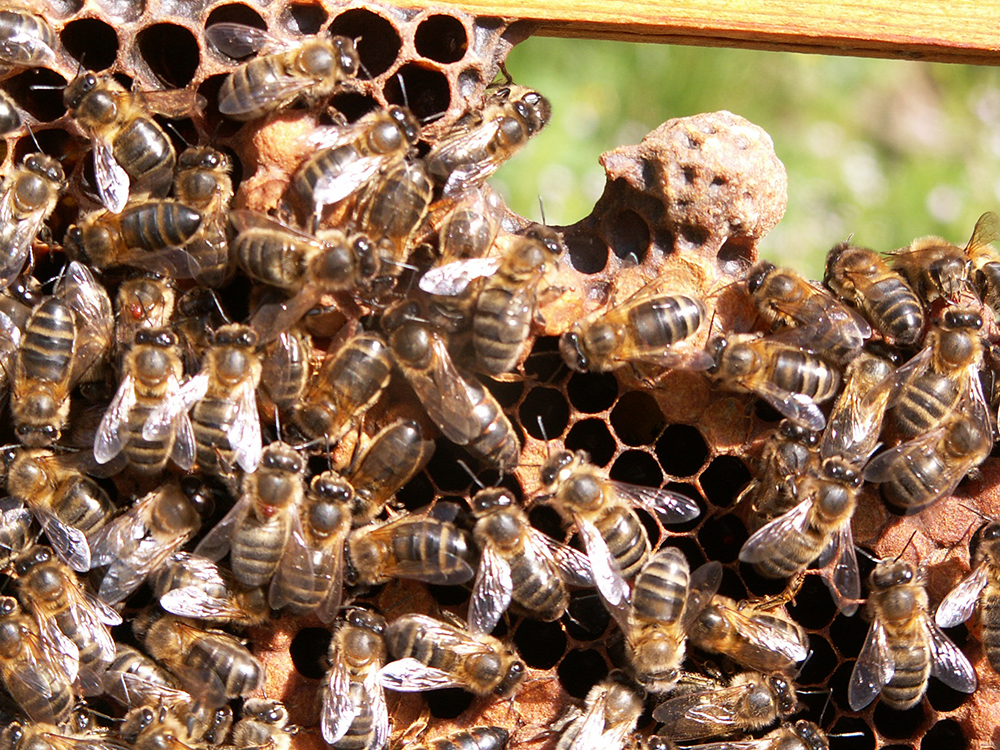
(882, 150)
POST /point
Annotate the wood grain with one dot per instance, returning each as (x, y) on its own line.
(959, 32)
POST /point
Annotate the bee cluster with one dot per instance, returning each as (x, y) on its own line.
(435, 409)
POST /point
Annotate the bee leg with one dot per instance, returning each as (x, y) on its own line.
(766, 603)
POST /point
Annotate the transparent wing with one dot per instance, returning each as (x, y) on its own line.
(949, 664)
(273, 319)
(247, 221)
(16, 238)
(702, 586)
(761, 545)
(796, 406)
(669, 506)
(162, 418)
(768, 637)
(452, 279)
(573, 566)
(333, 187)
(13, 515)
(448, 399)
(957, 606)
(339, 711)
(607, 576)
(107, 441)
(113, 182)
(69, 543)
(380, 711)
(61, 651)
(411, 676)
(94, 317)
(126, 574)
(194, 601)
(299, 559)
(873, 669)
(244, 433)
(236, 40)
(491, 592)
(840, 571)
(174, 104)
(183, 451)
(216, 543)
(24, 48)
(330, 606)
(696, 715)
(590, 726)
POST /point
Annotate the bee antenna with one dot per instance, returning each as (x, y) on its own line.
(976, 511)
(826, 705)
(218, 306)
(32, 134)
(541, 208)
(173, 128)
(545, 434)
(846, 734)
(402, 90)
(908, 541)
(867, 554)
(471, 473)
(277, 422)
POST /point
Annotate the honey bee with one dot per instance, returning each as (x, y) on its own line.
(349, 381)
(477, 738)
(479, 143)
(349, 157)
(132, 153)
(37, 736)
(70, 506)
(142, 302)
(789, 379)
(802, 735)
(817, 529)
(286, 70)
(424, 547)
(937, 269)
(750, 701)
(39, 688)
(65, 336)
(979, 587)
(470, 226)
(26, 38)
(904, 646)
(645, 327)
(602, 510)
(784, 298)
(134, 680)
(855, 422)
(284, 373)
(311, 573)
(391, 459)
(10, 116)
(146, 234)
(354, 714)
(224, 400)
(175, 725)
(263, 725)
(11, 330)
(15, 530)
(153, 371)
(519, 562)
(30, 194)
(764, 640)
(664, 604)
(306, 265)
(917, 473)
(789, 451)
(75, 623)
(609, 716)
(464, 411)
(140, 540)
(204, 182)
(431, 654)
(192, 586)
(255, 531)
(212, 663)
(862, 278)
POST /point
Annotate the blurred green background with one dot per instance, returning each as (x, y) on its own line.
(884, 150)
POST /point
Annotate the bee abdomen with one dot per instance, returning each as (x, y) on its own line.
(909, 680)
(914, 483)
(800, 372)
(661, 587)
(538, 588)
(145, 456)
(46, 350)
(626, 539)
(925, 402)
(436, 544)
(210, 420)
(257, 549)
(239, 671)
(793, 556)
(496, 442)
(663, 321)
(989, 616)
(478, 738)
(159, 224)
(500, 328)
(361, 734)
(146, 155)
(82, 504)
(270, 258)
(898, 310)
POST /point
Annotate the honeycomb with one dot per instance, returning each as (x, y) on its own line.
(690, 204)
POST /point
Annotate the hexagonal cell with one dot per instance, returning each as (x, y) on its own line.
(820, 664)
(353, 104)
(171, 52)
(637, 467)
(637, 419)
(544, 363)
(629, 236)
(580, 670)
(303, 18)
(592, 393)
(540, 644)
(308, 651)
(593, 436)
(813, 606)
(548, 406)
(377, 40)
(448, 703)
(441, 38)
(723, 480)
(946, 734)
(422, 88)
(587, 253)
(38, 91)
(722, 537)
(894, 724)
(681, 449)
(91, 40)
(586, 619)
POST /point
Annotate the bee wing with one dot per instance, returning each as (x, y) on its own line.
(380, 711)
(107, 441)
(573, 566)
(333, 187)
(852, 432)
(607, 576)
(237, 40)
(702, 586)
(957, 606)
(244, 433)
(216, 543)
(760, 545)
(12, 514)
(28, 676)
(873, 669)
(272, 319)
(174, 104)
(446, 397)
(330, 606)
(15, 237)
(161, 419)
(126, 575)
(452, 279)
(410, 675)
(669, 506)
(183, 451)
(910, 370)
(112, 181)
(591, 727)
(339, 711)
(840, 574)
(94, 317)
(24, 48)
(10, 335)
(490, 593)
(61, 652)
(137, 689)
(758, 629)
(70, 544)
(949, 664)
(469, 175)
(882, 467)
(987, 230)
(194, 601)
(298, 559)
(695, 715)
(798, 407)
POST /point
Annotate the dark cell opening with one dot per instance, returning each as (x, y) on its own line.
(839, 682)
(171, 52)
(441, 38)
(236, 175)
(308, 651)
(303, 19)
(637, 419)
(91, 42)
(468, 81)
(696, 236)
(586, 618)
(765, 412)
(848, 633)
(423, 89)
(353, 104)
(546, 519)
(592, 392)
(722, 536)
(540, 644)
(945, 735)
(637, 467)
(692, 492)
(629, 235)
(588, 253)
(681, 449)
(507, 393)
(39, 92)
(377, 41)
(593, 436)
(732, 586)
(813, 606)
(448, 596)
(853, 725)
(723, 480)
(735, 255)
(448, 703)
(944, 698)
(689, 547)
(236, 13)
(222, 127)
(758, 585)
(547, 405)
(897, 747)
(544, 363)
(444, 470)
(820, 664)
(580, 670)
(899, 725)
